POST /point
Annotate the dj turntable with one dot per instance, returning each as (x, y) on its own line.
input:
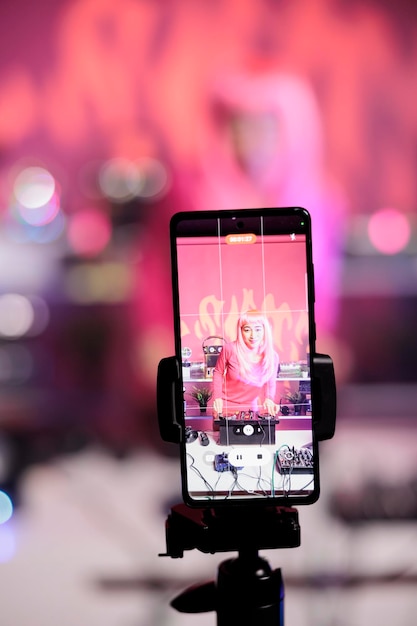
(246, 428)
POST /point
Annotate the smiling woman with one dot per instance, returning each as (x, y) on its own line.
(247, 368)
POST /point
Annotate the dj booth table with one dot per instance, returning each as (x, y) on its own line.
(205, 422)
(251, 447)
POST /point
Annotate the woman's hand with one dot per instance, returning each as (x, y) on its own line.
(270, 407)
(218, 406)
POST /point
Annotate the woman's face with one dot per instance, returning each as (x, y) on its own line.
(253, 334)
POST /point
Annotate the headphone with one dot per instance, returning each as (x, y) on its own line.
(212, 349)
(211, 353)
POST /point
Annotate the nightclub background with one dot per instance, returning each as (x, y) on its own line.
(114, 116)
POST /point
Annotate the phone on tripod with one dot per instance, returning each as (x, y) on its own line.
(243, 295)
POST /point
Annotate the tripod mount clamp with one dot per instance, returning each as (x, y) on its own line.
(232, 529)
(170, 397)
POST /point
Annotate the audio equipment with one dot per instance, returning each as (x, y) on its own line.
(255, 431)
(295, 461)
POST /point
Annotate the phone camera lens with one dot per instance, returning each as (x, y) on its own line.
(240, 225)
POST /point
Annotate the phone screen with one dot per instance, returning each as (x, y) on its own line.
(244, 326)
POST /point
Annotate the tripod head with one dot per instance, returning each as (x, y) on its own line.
(247, 591)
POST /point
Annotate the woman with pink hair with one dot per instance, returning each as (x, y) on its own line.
(246, 371)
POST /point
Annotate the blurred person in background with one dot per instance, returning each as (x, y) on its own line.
(262, 146)
(259, 144)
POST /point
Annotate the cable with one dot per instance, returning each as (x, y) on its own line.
(199, 474)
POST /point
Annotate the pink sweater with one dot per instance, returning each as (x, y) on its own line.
(236, 394)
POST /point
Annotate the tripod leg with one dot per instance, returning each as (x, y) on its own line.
(196, 599)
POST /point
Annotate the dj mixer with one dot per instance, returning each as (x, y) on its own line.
(247, 428)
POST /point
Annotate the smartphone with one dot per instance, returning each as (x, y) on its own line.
(243, 295)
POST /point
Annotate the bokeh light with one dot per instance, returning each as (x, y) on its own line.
(156, 179)
(6, 507)
(38, 216)
(16, 315)
(7, 543)
(50, 232)
(21, 232)
(41, 315)
(34, 213)
(120, 180)
(89, 232)
(34, 187)
(389, 231)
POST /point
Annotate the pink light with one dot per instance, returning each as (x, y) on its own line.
(89, 232)
(389, 231)
(44, 214)
(34, 187)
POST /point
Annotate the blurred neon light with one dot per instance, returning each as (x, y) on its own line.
(38, 216)
(7, 543)
(389, 231)
(34, 187)
(6, 507)
(89, 232)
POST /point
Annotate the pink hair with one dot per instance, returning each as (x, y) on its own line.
(267, 365)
